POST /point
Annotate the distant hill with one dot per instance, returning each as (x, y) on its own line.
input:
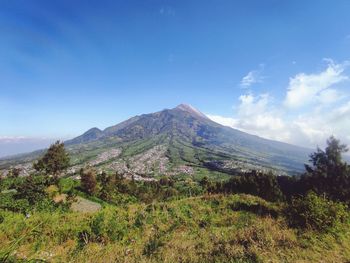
(176, 141)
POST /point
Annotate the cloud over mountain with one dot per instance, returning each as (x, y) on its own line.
(314, 107)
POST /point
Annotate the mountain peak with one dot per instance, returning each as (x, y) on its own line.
(90, 135)
(94, 129)
(159, 143)
(190, 109)
(183, 105)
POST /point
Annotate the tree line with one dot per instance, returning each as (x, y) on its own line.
(327, 175)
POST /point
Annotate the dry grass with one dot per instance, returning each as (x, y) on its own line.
(83, 205)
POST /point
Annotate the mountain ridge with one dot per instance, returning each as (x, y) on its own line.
(163, 141)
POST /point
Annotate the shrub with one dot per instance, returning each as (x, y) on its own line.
(256, 183)
(315, 212)
(52, 191)
(32, 188)
(104, 227)
(98, 227)
(88, 180)
(259, 208)
(9, 202)
(67, 185)
(107, 183)
(46, 205)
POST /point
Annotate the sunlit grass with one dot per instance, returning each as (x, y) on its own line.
(208, 228)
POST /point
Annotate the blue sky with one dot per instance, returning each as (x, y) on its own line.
(269, 67)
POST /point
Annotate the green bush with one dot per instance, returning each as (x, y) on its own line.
(67, 185)
(255, 206)
(46, 205)
(315, 212)
(104, 227)
(9, 202)
(98, 227)
(32, 188)
(256, 183)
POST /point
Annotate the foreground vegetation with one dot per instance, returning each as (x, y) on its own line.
(216, 228)
(252, 217)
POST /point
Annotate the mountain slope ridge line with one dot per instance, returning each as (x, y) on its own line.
(190, 138)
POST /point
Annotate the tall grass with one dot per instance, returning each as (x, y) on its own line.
(216, 228)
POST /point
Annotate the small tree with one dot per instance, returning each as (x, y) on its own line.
(328, 174)
(328, 161)
(32, 188)
(54, 161)
(107, 183)
(88, 180)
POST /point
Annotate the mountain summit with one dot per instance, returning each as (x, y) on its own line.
(178, 141)
(188, 108)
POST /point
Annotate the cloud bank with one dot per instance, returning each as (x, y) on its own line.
(315, 106)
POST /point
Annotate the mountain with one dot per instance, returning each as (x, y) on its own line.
(173, 142)
(90, 135)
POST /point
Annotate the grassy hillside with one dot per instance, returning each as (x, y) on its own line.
(191, 215)
(209, 228)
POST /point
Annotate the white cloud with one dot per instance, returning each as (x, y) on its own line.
(226, 121)
(329, 96)
(253, 76)
(317, 126)
(255, 116)
(305, 89)
(308, 130)
(328, 112)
